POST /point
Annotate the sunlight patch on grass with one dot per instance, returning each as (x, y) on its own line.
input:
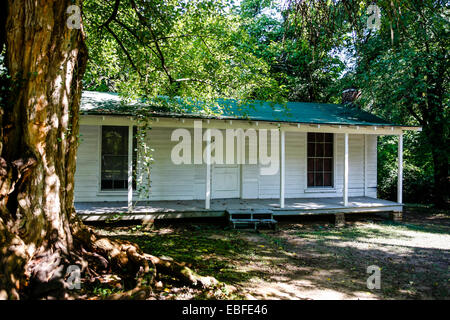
(389, 233)
(364, 231)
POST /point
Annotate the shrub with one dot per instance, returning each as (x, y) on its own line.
(417, 169)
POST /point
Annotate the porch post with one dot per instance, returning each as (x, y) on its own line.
(345, 189)
(400, 169)
(208, 169)
(366, 152)
(130, 167)
(282, 166)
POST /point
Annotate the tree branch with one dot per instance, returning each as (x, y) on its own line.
(158, 49)
(124, 49)
(113, 15)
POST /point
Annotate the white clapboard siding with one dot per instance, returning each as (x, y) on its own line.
(339, 163)
(295, 164)
(187, 181)
(87, 173)
(269, 185)
(371, 166)
(250, 182)
(249, 173)
(356, 165)
(296, 186)
(169, 181)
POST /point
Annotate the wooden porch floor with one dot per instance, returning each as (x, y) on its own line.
(98, 211)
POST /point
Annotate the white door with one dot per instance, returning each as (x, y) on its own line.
(225, 181)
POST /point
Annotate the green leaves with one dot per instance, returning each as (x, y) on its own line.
(173, 48)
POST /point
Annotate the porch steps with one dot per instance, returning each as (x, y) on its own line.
(251, 217)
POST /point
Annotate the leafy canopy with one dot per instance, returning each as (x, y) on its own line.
(173, 48)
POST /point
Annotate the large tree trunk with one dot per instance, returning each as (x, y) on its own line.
(40, 235)
(46, 61)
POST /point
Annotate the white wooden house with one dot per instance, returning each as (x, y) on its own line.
(327, 161)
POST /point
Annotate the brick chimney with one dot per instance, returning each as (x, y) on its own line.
(349, 96)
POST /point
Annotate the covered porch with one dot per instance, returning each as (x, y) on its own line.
(152, 210)
(279, 203)
(324, 161)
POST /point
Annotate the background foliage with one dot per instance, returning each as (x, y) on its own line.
(296, 50)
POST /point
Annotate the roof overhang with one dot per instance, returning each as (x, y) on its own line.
(230, 123)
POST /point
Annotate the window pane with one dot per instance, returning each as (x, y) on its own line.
(328, 150)
(327, 164)
(106, 184)
(320, 160)
(114, 170)
(318, 164)
(311, 150)
(327, 179)
(114, 140)
(319, 150)
(311, 179)
(318, 179)
(310, 164)
(319, 137)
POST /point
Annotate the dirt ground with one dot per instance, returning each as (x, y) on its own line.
(306, 258)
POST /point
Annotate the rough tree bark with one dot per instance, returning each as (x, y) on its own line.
(46, 61)
(40, 234)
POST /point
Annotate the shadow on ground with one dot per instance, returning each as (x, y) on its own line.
(311, 259)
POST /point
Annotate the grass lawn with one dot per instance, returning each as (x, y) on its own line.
(306, 258)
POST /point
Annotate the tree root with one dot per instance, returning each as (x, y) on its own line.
(121, 255)
(183, 273)
(45, 276)
(13, 258)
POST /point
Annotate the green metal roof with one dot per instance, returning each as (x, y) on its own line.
(100, 103)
